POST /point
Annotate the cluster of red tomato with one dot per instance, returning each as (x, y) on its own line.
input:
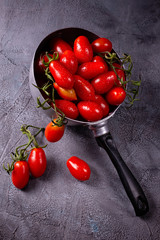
(86, 85)
(37, 163)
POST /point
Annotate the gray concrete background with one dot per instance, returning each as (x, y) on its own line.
(57, 206)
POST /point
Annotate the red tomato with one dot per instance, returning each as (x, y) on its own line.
(116, 65)
(20, 174)
(61, 75)
(116, 96)
(83, 49)
(40, 67)
(54, 133)
(101, 45)
(104, 105)
(67, 94)
(68, 108)
(60, 46)
(45, 59)
(104, 82)
(100, 59)
(69, 60)
(37, 162)
(83, 88)
(90, 111)
(90, 70)
(78, 168)
(120, 73)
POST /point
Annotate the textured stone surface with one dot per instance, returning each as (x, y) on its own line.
(56, 206)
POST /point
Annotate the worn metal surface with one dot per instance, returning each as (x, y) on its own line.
(56, 206)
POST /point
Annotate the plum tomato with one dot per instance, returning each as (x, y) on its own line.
(90, 111)
(67, 94)
(90, 70)
(37, 162)
(104, 82)
(53, 132)
(44, 58)
(115, 96)
(68, 108)
(101, 45)
(69, 60)
(78, 168)
(120, 72)
(83, 49)
(104, 105)
(117, 65)
(121, 75)
(20, 174)
(100, 59)
(83, 88)
(61, 75)
(60, 46)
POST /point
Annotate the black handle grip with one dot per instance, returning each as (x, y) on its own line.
(132, 187)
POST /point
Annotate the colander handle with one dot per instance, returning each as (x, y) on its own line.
(132, 187)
